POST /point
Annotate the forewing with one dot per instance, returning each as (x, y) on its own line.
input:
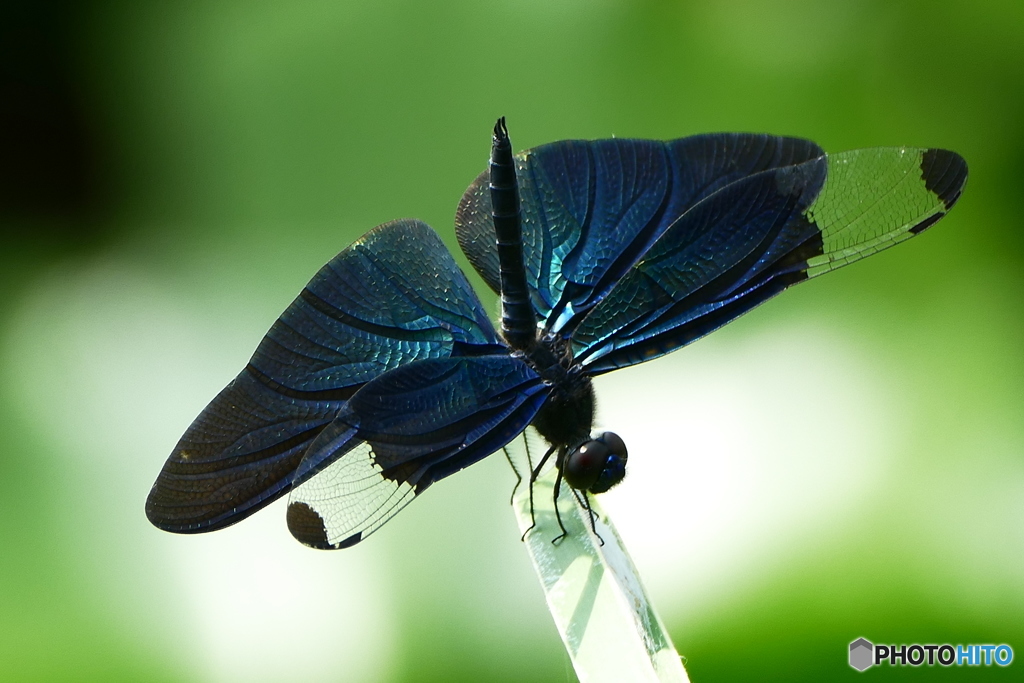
(394, 296)
(753, 238)
(591, 209)
(402, 432)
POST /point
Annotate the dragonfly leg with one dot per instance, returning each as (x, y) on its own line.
(584, 500)
(558, 515)
(533, 478)
(519, 477)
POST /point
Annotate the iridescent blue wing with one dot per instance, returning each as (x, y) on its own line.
(402, 432)
(393, 297)
(755, 237)
(591, 210)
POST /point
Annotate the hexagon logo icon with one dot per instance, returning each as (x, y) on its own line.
(861, 654)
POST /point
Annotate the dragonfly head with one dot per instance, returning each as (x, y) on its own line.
(596, 465)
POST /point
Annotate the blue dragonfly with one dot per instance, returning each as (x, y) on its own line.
(385, 374)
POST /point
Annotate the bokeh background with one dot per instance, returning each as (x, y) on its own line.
(846, 461)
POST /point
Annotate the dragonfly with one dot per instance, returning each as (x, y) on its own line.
(386, 375)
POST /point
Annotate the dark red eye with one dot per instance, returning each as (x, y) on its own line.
(596, 465)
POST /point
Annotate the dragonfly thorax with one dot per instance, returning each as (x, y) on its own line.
(567, 417)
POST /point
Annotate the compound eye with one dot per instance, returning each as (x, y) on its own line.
(596, 465)
(614, 442)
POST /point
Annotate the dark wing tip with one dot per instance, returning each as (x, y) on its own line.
(170, 509)
(307, 526)
(927, 223)
(945, 174)
(154, 510)
(350, 541)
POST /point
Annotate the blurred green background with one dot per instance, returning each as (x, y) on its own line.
(847, 461)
